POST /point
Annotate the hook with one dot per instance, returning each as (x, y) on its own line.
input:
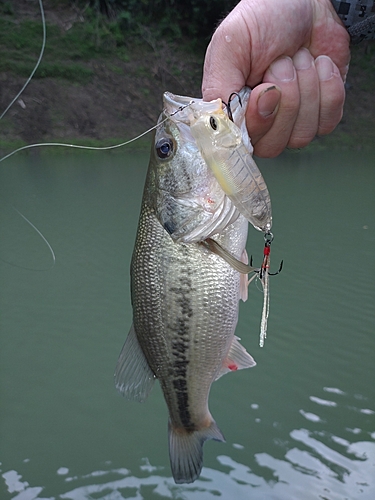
(268, 239)
(229, 110)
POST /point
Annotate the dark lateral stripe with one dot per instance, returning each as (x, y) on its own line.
(180, 345)
(180, 386)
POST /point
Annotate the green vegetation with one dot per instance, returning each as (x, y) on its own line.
(195, 18)
(20, 45)
(103, 26)
(107, 62)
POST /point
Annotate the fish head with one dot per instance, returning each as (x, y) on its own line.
(218, 124)
(186, 197)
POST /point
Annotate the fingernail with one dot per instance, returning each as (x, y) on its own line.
(283, 69)
(302, 59)
(324, 67)
(268, 101)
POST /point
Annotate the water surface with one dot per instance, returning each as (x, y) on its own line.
(300, 425)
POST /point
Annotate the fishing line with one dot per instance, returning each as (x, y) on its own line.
(38, 62)
(43, 238)
(93, 148)
(2, 115)
(41, 235)
(104, 148)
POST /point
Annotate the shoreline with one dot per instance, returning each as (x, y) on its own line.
(106, 95)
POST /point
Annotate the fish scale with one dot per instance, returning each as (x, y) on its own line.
(159, 314)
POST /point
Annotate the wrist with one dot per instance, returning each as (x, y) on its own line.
(358, 17)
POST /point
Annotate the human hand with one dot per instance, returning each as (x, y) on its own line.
(295, 55)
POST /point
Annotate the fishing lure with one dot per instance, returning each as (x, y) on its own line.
(228, 152)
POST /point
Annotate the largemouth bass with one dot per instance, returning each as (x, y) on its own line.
(185, 286)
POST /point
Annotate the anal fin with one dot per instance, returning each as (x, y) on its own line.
(237, 359)
(134, 378)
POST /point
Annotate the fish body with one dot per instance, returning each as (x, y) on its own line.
(185, 297)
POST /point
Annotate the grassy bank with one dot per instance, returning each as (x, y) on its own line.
(100, 83)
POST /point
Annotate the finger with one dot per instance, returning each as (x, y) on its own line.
(261, 110)
(306, 124)
(283, 74)
(227, 60)
(332, 94)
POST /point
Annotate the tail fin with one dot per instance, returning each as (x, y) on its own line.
(186, 451)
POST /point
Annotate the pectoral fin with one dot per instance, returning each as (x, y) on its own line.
(133, 376)
(237, 359)
(216, 248)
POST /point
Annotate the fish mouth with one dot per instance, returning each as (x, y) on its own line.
(185, 109)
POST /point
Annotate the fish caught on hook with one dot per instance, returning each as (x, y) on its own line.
(190, 267)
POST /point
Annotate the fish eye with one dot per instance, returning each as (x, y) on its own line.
(213, 123)
(164, 148)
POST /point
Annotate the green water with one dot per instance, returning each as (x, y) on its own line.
(300, 425)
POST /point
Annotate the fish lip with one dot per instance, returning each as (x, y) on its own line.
(176, 100)
(173, 103)
(183, 108)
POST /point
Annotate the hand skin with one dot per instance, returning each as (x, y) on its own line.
(295, 55)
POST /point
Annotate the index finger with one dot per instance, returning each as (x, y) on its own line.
(220, 78)
(227, 63)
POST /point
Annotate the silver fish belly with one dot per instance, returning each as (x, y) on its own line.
(185, 298)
